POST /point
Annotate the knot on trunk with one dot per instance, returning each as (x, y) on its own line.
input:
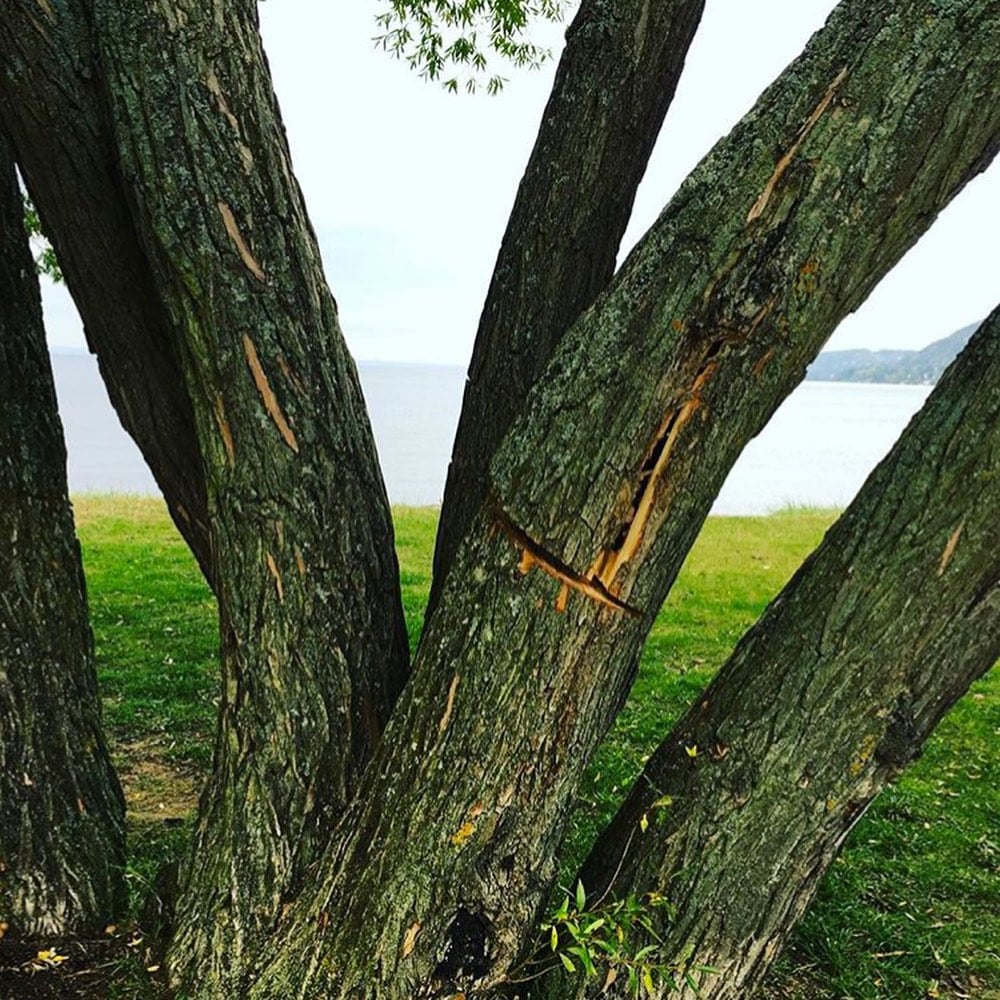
(901, 742)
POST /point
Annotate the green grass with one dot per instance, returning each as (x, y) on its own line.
(912, 907)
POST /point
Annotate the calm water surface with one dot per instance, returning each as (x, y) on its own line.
(817, 449)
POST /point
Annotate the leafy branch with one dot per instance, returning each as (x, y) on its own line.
(618, 938)
(45, 257)
(438, 36)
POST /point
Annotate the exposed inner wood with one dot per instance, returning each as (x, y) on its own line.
(949, 549)
(267, 394)
(246, 255)
(533, 554)
(610, 561)
(783, 164)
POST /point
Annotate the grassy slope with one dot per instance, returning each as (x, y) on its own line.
(911, 909)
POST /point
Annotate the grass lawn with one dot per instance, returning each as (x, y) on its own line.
(911, 908)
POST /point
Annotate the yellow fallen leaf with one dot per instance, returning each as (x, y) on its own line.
(50, 958)
(691, 751)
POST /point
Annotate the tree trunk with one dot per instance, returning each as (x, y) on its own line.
(205, 298)
(616, 79)
(62, 815)
(313, 643)
(51, 103)
(601, 486)
(824, 701)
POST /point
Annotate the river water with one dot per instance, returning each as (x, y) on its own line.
(816, 451)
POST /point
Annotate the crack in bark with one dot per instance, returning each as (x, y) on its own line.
(785, 162)
(534, 554)
(949, 549)
(611, 560)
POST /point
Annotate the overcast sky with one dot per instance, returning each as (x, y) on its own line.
(409, 187)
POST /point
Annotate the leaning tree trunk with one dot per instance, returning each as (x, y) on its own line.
(824, 701)
(616, 79)
(62, 815)
(602, 484)
(51, 103)
(313, 642)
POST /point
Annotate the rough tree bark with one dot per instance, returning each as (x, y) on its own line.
(162, 119)
(50, 102)
(595, 495)
(62, 816)
(824, 701)
(615, 82)
(314, 647)
(599, 489)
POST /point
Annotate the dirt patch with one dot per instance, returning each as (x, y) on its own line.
(157, 789)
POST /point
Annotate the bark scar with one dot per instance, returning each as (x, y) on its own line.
(785, 162)
(267, 394)
(658, 455)
(278, 585)
(949, 549)
(450, 706)
(229, 221)
(533, 554)
(225, 430)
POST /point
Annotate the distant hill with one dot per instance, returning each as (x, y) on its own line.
(907, 367)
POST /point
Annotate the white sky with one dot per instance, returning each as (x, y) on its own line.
(409, 187)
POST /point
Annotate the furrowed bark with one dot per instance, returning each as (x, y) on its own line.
(601, 486)
(313, 643)
(51, 103)
(824, 701)
(615, 82)
(62, 815)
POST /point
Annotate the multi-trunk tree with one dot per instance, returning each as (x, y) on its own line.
(371, 830)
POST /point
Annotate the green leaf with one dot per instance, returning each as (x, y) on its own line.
(581, 897)
(567, 962)
(647, 981)
(554, 939)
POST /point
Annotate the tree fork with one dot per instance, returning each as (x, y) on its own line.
(610, 471)
(615, 83)
(741, 810)
(55, 113)
(62, 815)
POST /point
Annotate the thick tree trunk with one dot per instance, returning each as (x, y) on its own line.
(825, 700)
(616, 79)
(313, 643)
(208, 308)
(62, 816)
(51, 103)
(604, 481)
